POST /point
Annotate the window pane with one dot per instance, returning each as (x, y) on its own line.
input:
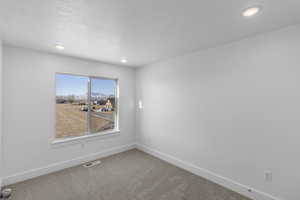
(103, 105)
(71, 105)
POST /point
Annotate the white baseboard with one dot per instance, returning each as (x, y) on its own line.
(223, 181)
(62, 165)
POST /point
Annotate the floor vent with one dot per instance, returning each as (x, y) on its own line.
(92, 164)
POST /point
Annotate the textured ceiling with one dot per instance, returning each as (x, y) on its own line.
(143, 31)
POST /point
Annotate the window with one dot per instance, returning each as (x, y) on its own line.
(85, 105)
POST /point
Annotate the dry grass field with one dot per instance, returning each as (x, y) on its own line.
(71, 121)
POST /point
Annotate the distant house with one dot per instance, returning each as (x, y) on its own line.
(108, 107)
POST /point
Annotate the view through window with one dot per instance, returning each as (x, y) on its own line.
(84, 105)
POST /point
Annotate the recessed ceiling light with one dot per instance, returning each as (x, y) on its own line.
(59, 47)
(251, 11)
(124, 60)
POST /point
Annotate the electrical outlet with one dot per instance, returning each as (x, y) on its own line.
(268, 176)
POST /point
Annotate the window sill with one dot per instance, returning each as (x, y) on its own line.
(85, 138)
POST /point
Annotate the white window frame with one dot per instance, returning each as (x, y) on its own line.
(88, 135)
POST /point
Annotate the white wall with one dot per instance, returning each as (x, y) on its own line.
(29, 102)
(1, 113)
(233, 110)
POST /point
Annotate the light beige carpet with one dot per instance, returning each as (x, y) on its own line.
(132, 175)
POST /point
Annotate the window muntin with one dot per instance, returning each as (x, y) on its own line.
(84, 105)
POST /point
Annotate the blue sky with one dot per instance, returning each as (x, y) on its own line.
(78, 85)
